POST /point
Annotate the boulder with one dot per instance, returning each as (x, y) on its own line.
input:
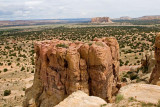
(148, 61)
(63, 67)
(81, 99)
(141, 92)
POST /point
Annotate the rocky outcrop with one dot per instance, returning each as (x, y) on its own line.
(101, 20)
(141, 92)
(148, 61)
(81, 99)
(155, 76)
(63, 67)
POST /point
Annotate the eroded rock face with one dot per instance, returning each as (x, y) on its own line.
(101, 20)
(148, 61)
(63, 67)
(155, 76)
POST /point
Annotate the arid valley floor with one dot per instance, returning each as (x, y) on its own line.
(17, 65)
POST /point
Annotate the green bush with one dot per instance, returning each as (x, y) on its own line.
(136, 57)
(32, 71)
(5, 70)
(22, 68)
(7, 92)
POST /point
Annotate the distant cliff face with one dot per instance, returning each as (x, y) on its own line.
(101, 20)
(63, 67)
(125, 18)
(150, 18)
(155, 76)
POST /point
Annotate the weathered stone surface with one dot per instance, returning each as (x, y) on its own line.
(148, 61)
(101, 20)
(81, 99)
(141, 92)
(63, 67)
(155, 76)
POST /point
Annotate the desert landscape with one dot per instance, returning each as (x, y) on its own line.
(79, 53)
(17, 66)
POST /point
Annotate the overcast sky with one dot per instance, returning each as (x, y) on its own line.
(53, 9)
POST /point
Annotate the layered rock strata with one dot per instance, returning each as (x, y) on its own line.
(155, 76)
(63, 67)
(101, 20)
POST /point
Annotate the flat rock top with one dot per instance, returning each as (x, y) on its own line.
(81, 99)
(142, 92)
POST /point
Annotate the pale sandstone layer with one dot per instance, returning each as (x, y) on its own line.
(81, 99)
(63, 67)
(141, 92)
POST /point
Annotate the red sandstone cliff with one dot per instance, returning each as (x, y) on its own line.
(63, 67)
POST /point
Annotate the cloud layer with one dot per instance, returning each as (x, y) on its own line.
(53, 9)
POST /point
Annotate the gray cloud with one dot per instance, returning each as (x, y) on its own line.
(49, 9)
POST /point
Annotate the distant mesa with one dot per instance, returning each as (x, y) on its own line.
(156, 17)
(125, 18)
(101, 20)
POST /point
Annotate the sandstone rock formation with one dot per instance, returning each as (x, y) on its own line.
(101, 20)
(63, 67)
(81, 99)
(155, 76)
(141, 92)
(148, 61)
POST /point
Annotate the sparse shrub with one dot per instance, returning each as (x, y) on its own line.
(126, 63)
(22, 68)
(5, 69)
(18, 64)
(158, 104)
(24, 89)
(119, 98)
(103, 105)
(62, 45)
(18, 59)
(121, 62)
(138, 61)
(7, 92)
(130, 99)
(90, 44)
(32, 71)
(143, 104)
(9, 63)
(136, 57)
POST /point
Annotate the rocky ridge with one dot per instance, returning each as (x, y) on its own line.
(63, 67)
